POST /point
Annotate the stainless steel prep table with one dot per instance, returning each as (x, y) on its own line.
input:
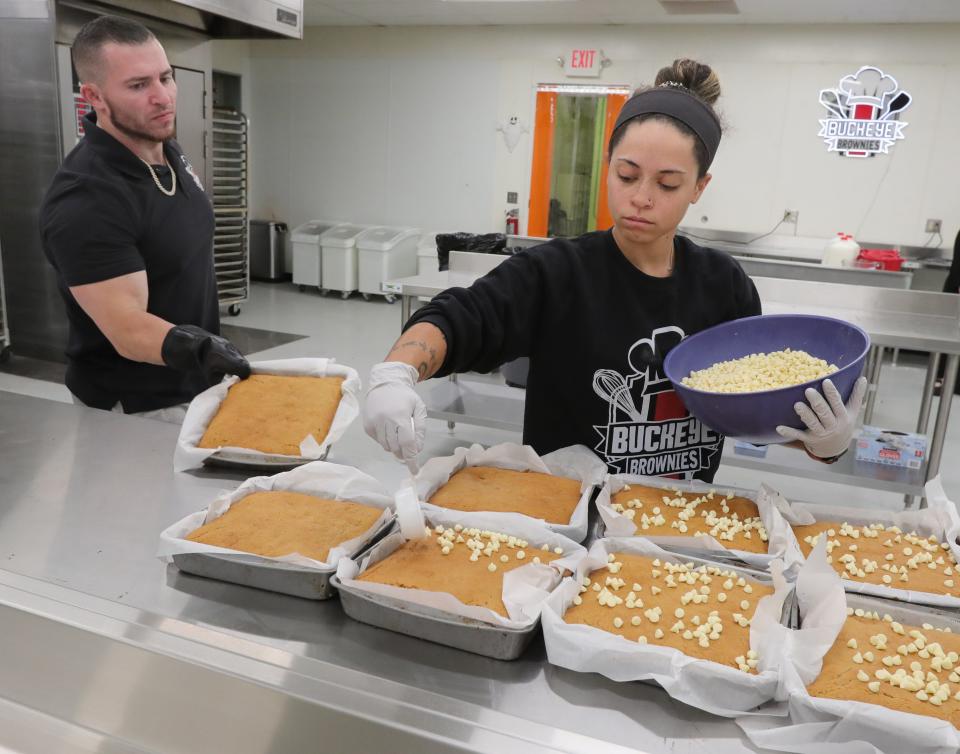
(893, 318)
(100, 638)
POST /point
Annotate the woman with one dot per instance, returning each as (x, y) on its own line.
(597, 314)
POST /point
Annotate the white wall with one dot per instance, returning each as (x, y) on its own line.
(397, 125)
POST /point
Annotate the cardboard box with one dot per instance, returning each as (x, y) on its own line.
(891, 447)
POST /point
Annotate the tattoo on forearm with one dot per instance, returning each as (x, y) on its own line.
(426, 367)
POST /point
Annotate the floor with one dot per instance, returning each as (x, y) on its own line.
(360, 332)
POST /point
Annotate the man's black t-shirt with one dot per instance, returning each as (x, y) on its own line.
(104, 217)
(596, 330)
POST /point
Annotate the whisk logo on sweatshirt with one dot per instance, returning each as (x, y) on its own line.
(649, 431)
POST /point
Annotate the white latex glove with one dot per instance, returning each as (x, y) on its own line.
(393, 414)
(830, 424)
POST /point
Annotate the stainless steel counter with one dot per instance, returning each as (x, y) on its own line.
(105, 645)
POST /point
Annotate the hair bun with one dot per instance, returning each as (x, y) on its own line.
(699, 78)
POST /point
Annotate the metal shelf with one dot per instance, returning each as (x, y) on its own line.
(231, 252)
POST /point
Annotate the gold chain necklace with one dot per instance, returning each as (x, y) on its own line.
(156, 179)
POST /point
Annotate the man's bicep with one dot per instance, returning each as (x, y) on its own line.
(109, 303)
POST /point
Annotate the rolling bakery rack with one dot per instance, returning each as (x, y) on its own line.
(231, 250)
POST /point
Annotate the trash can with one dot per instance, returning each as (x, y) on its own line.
(339, 258)
(305, 241)
(386, 254)
(427, 260)
(267, 241)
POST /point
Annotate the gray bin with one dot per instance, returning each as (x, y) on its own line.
(267, 242)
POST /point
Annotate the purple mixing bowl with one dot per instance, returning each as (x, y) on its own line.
(754, 417)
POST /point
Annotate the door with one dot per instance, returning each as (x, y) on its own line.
(568, 194)
(191, 118)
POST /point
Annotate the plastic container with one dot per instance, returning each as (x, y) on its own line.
(754, 417)
(882, 259)
(339, 258)
(842, 251)
(305, 242)
(385, 253)
(427, 260)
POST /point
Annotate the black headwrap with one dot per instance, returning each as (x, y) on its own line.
(680, 104)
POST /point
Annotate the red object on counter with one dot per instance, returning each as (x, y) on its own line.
(887, 259)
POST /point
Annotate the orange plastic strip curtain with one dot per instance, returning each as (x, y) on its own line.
(614, 103)
(541, 173)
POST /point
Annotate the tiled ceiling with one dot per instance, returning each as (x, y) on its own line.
(503, 12)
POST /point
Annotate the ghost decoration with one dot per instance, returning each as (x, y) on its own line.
(512, 130)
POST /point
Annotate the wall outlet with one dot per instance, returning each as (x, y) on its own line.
(933, 226)
(791, 216)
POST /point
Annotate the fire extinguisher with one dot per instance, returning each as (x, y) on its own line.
(513, 222)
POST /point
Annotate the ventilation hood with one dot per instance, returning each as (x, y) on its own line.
(218, 19)
(251, 18)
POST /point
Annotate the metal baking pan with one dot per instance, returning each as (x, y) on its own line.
(435, 625)
(271, 464)
(822, 511)
(712, 556)
(789, 615)
(722, 558)
(890, 605)
(762, 577)
(905, 612)
(274, 576)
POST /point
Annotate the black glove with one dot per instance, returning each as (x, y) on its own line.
(188, 348)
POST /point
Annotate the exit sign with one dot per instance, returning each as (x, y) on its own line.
(583, 63)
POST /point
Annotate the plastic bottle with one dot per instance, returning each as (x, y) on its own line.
(842, 251)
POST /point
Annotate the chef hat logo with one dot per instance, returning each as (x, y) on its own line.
(869, 83)
(868, 86)
(869, 95)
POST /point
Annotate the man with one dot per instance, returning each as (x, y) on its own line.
(129, 230)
